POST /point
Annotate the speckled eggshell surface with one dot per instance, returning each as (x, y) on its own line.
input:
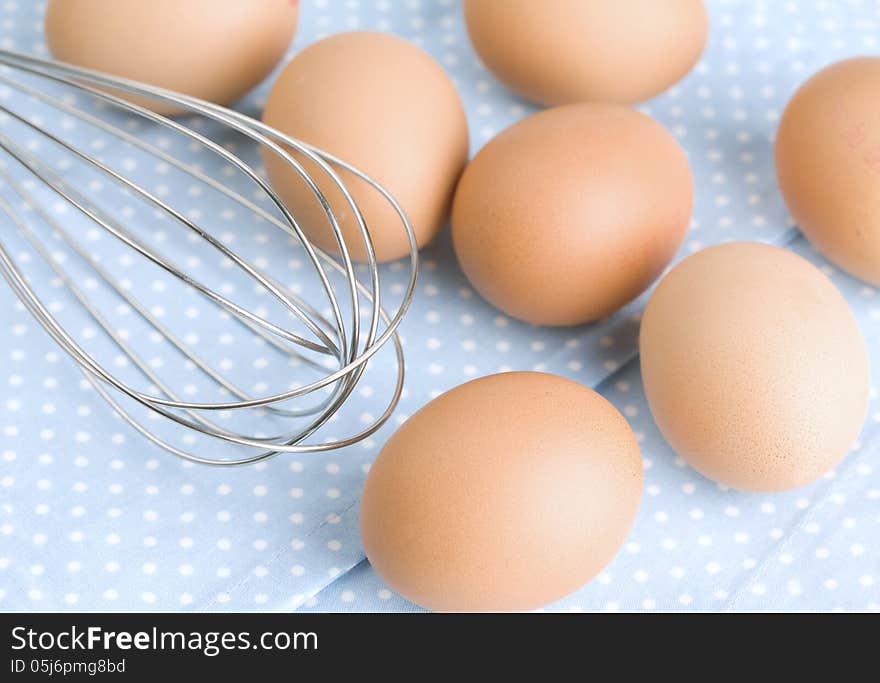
(505, 493)
(828, 163)
(754, 367)
(563, 51)
(572, 212)
(216, 50)
(383, 105)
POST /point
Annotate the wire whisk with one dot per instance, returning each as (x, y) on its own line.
(53, 195)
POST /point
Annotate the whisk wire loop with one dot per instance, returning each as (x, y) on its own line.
(343, 341)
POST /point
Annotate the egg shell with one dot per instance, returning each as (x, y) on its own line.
(562, 51)
(386, 107)
(572, 212)
(216, 50)
(754, 367)
(505, 493)
(828, 163)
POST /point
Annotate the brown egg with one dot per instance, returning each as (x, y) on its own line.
(572, 212)
(753, 366)
(505, 493)
(216, 50)
(828, 163)
(386, 107)
(562, 51)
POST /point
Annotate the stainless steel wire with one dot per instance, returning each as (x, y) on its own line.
(348, 334)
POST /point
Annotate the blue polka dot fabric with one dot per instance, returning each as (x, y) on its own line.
(94, 517)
